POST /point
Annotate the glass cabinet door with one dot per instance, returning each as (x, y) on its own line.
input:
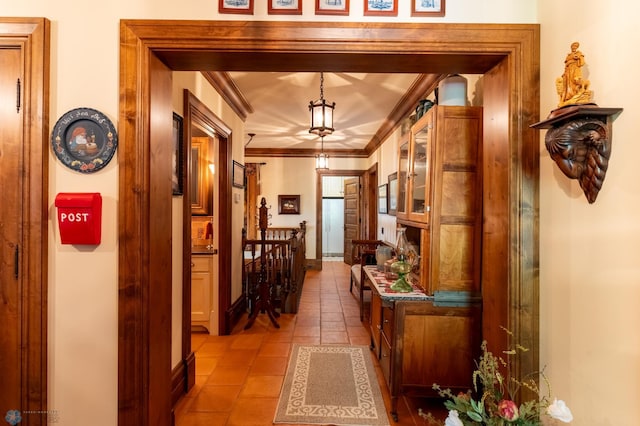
(421, 145)
(403, 175)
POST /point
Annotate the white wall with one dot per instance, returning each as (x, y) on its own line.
(589, 253)
(83, 319)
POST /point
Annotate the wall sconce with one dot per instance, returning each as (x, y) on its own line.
(580, 132)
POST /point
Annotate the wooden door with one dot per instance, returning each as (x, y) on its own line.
(352, 215)
(11, 164)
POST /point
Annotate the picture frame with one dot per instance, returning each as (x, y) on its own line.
(381, 7)
(427, 7)
(288, 204)
(238, 175)
(393, 193)
(177, 168)
(332, 7)
(383, 198)
(236, 6)
(285, 7)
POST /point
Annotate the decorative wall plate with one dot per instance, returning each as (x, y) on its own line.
(84, 140)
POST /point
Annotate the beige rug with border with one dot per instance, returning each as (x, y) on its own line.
(331, 385)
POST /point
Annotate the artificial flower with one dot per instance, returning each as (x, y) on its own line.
(508, 410)
(453, 419)
(491, 402)
(559, 410)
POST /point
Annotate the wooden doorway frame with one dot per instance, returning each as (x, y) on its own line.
(367, 227)
(508, 57)
(32, 36)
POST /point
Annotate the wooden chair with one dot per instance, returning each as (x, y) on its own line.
(363, 252)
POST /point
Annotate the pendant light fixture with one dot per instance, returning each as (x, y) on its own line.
(322, 159)
(321, 113)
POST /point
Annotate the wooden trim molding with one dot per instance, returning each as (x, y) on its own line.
(227, 88)
(508, 56)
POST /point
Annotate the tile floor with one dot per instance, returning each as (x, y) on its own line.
(238, 377)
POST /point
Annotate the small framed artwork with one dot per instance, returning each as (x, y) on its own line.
(393, 193)
(238, 174)
(427, 7)
(381, 7)
(332, 7)
(285, 7)
(236, 6)
(382, 198)
(177, 179)
(288, 204)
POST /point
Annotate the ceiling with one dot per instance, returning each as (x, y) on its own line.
(280, 105)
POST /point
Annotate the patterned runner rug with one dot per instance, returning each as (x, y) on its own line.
(331, 384)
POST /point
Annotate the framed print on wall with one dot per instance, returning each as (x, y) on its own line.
(288, 204)
(393, 193)
(332, 7)
(178, 156)
(285, 7)
(238, 175)
(381, 7)
(236, 6)
(427, 7)
(382, 198)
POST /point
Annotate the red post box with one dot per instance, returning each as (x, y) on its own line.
(79, 217)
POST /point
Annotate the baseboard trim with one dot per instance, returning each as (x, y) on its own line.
(234, 313)
(183, 377)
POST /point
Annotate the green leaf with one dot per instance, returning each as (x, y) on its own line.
(478, 407)
(474, 416)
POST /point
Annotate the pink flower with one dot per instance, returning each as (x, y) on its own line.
(508, 410)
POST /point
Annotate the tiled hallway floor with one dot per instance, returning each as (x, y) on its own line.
(238, 377)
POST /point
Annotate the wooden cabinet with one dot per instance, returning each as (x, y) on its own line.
(435, 336)
(201, 270)
(444, 196)
(419, 340)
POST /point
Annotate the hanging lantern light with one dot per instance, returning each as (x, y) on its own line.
(321, 113)
(322, 159)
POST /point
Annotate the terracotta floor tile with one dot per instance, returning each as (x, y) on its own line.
(215, 398)
(202, 419)
(253, 412)
(269, 365)
(334, 337)
(229, 375)
(333, 326)
(205, 365)
(306, 331)
(262, 386)
(274, 349)
(247, 341)
(238, 357)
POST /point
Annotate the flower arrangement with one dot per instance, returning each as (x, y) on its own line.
(495, 405)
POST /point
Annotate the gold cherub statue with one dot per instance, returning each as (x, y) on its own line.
(572, 88)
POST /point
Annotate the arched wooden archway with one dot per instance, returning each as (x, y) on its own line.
(507, 56)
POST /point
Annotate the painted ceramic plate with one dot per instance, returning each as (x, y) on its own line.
(84, 140)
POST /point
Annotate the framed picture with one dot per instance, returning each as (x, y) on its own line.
(236, 6)
(332, 7)
(381, 7)
(177, 178)
(285, 7)
(288, 204)
(393, 193)
(238, 174)
(382, 198)
(427, 7)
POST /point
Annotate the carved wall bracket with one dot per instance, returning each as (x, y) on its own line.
(579, 141)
